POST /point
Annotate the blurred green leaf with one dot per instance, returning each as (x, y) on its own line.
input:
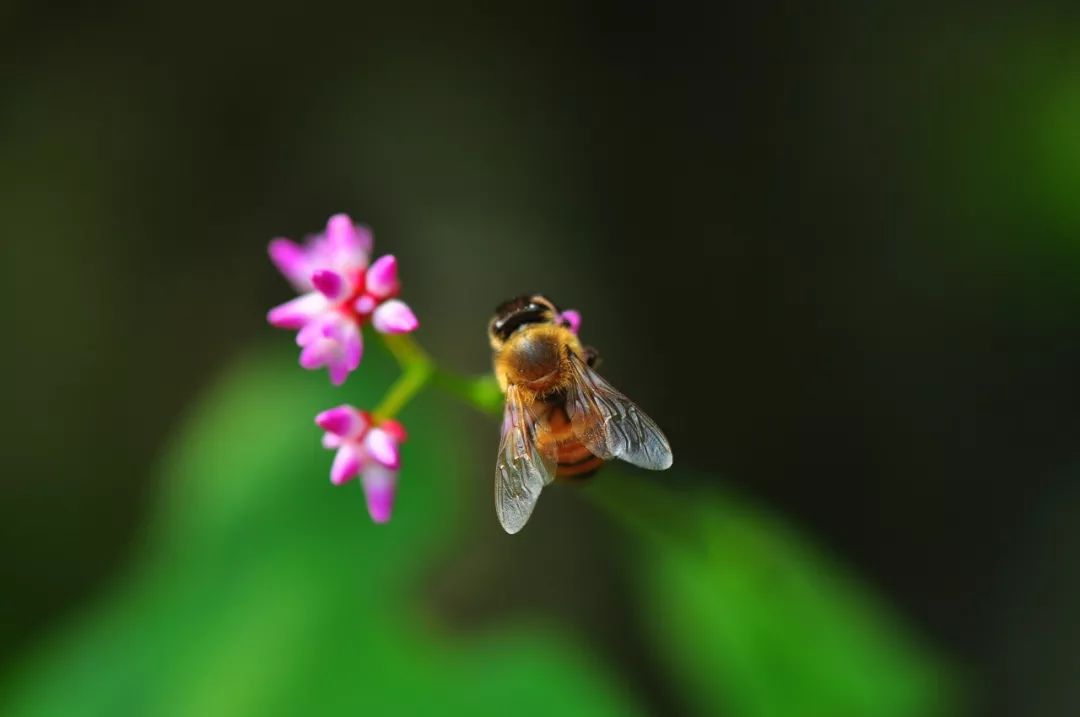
(752, 621)
(263, 590)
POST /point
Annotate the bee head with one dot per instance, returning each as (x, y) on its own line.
(517, 312)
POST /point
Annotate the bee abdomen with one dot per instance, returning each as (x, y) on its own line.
(574, 459)
(578, 469)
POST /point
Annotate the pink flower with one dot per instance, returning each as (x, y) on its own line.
(339, 292)
(369, 451)
(571, 318)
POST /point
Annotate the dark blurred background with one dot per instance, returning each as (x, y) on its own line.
(833, 250)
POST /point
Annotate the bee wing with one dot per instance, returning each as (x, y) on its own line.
(523, 468)
(610, 425)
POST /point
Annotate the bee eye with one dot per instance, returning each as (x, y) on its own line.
(530, 314)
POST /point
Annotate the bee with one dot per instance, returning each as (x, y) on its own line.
(561, 420)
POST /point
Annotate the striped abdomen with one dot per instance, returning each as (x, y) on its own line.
(575, 460)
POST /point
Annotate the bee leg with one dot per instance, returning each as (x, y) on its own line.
(592, 357)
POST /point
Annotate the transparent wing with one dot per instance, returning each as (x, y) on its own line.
(522, 468)
(610, 425)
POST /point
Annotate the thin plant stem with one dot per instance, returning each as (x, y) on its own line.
(481, 392)
(418, 370)
(407, 385)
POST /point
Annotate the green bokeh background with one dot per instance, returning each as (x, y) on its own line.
(832, 250)
(261, 594)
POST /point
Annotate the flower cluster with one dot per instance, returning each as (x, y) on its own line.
(366, 450)
(340, 291)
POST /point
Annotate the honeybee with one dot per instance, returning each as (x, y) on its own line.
(562, 420)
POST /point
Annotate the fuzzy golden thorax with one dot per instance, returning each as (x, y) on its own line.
(536, 359)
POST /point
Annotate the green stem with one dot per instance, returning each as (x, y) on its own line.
(407, 385)
(418, 370)
(481, 392)
(405, 349)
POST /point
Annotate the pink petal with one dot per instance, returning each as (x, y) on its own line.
(394, 317)
(331, 284)
(345, 421)
(382, 279)
(354, 347)
(365, 304)
(298, 312)
(292, 261)
(312, 330)
(340, 227)
(319, 253)
(336, 327)
(380, 485)
(346, 464)
(572, 318)
(331, 340)
(365, 239)
(349, 244)
(346, 357)
(317, 354)
(338, 372)
(395, 429)
(383, 447)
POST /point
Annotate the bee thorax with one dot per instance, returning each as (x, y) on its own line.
(532, 358)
